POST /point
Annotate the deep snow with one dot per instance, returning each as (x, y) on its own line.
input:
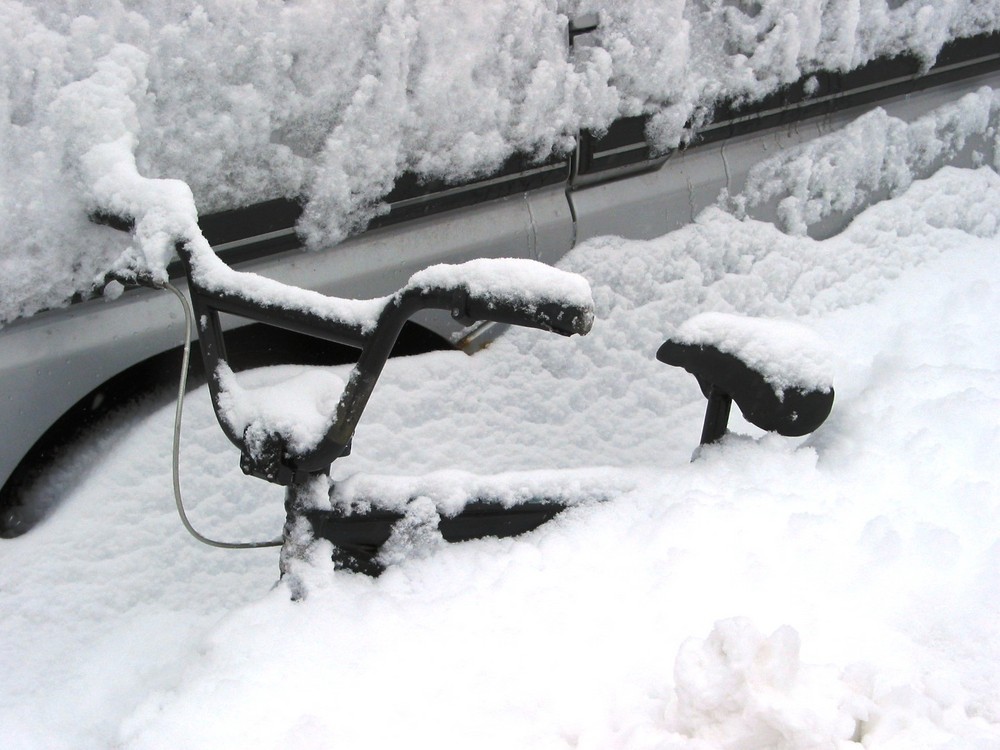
(807, 593)
(787, 593)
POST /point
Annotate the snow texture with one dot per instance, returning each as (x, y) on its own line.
(298, 404)
(875, 156)
(834, 591)
(246, 100)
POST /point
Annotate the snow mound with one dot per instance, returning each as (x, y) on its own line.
(876, 155)
(738, 688)
(869, 551)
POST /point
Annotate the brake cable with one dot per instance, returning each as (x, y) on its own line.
(175, 460)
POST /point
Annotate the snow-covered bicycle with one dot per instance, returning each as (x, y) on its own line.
(289, 433)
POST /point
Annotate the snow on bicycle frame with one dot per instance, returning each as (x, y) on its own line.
(296, 449)
(774, 370)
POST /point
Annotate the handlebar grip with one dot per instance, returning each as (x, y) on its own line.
(513, 291)
(557, 316)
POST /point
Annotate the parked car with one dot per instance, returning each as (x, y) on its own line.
(62, 369)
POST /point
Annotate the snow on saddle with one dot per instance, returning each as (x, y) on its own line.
(777, 372)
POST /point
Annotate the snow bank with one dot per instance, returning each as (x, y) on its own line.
(831, 591)
(738, 688)
(253, 100)
(614, 625)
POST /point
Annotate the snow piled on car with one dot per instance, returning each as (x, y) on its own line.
(246, 101)
(875, 155)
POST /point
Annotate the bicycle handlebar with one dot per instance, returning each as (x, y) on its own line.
(513, 292)
(566, 318)
(562, 317)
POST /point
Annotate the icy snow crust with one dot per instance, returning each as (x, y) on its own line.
(250, 100)
(830, 592)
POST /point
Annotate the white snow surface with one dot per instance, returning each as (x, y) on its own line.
(296, 403)
(246, 100)
(875, 155)
(834, 591)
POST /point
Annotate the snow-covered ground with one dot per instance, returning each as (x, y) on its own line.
(788, 593)
(783, 593)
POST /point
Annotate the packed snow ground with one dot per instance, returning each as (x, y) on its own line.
(810, 593)
(247, 100)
